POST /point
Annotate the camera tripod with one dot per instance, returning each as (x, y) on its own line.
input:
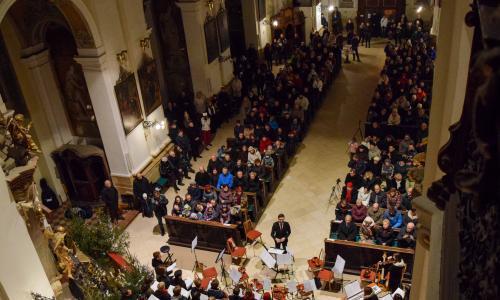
(336, 193)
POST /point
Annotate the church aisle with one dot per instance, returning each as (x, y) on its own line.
(303, 194)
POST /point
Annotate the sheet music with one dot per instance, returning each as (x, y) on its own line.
(257, 296)
(154, 286)
(309, 285)
(171, 290)
(189, 282)
(268, 260)
(353, 290)
(202, 297)
(376, 289)
(288, 250)
(194, 243)
(338, 268)
(400, 292)
(234, 275)
(292, 286)
(284, 259)
(276, 251)
(171, 267)
(267, 284)
(153, 297)
(386, 297)
(185, 293)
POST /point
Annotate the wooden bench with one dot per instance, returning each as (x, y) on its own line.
(361, 255)
(335, 224)
(212, 236)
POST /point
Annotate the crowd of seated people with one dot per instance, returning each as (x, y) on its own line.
(386, 168)
(276, 109)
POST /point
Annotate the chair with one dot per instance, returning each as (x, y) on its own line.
(210, 273)
(326, 276)
(250, 233)
(316, 263)
(235, 251)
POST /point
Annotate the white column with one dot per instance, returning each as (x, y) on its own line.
(195, 42)
(44, 79)
(106, 111)
(250, 23)
(22, 272)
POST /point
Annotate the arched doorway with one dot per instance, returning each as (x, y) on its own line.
(169, 49)
(40, 40)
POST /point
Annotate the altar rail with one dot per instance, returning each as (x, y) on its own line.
(212, 236)
(361, 255)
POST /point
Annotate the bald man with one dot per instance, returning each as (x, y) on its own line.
(347, 229)
(407, 236)
(109, 195)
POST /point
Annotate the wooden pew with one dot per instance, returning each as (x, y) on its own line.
(212, 236)
(335, 224)
(360, 255)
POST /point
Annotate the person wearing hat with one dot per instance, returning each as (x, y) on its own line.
(206, 133)
(159, 203)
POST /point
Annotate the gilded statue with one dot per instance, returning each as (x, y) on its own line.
(61, 250)
(20, 133)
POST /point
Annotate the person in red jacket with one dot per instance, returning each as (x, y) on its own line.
(264, 142)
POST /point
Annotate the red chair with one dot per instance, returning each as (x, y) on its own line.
(210, 273)
(250, 233)
(235, 251)
(327, 277)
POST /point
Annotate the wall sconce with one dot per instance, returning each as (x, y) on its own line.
(144, 43)
(331, 8)
(210, 5)
(420, 9)
(155, 124)
(122, 57)
(275, 23)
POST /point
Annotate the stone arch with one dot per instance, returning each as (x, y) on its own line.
(78, 17)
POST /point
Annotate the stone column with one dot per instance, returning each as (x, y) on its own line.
(106, 111)
(44, 79)
(249, 8)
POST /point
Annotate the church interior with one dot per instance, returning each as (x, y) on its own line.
(249, 149)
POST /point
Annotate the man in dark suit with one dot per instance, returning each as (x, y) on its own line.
(280, 232)
(347, 230)
(109, 195)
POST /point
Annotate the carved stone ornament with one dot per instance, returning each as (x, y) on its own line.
(471, 162)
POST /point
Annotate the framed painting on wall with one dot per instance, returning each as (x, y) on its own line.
(150, 86)
(223, 30)
(211, 39)
(127, 97)
(346, 3)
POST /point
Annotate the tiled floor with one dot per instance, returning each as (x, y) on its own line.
(304, 192)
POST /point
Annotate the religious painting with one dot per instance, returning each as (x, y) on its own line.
(127, 97)
(223, 30)
(346, 3)
(150, 85)
(211, 39)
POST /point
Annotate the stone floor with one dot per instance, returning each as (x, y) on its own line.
(304, 192)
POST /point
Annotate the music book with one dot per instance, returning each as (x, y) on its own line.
(353, 290)
(235, 275)
(338, 268)
(194, 243)
(202, 297)
(276, 251)
(154, 286)
(288, 250)
(309, 285)
(268, 260)
(189, 282)
(292, 286)
(386, 297)
(256, 295)
(171, 267)
(400, 292)
(153, 297)
(185, 293)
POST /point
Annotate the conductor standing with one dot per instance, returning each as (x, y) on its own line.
(280, 232)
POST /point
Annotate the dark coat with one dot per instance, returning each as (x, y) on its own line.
(277, 232)
(347, 231)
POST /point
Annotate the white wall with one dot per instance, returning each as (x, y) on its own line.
(21, 269)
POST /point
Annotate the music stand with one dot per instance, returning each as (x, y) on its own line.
(198, 267)
(166, 250)
(220, 259)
